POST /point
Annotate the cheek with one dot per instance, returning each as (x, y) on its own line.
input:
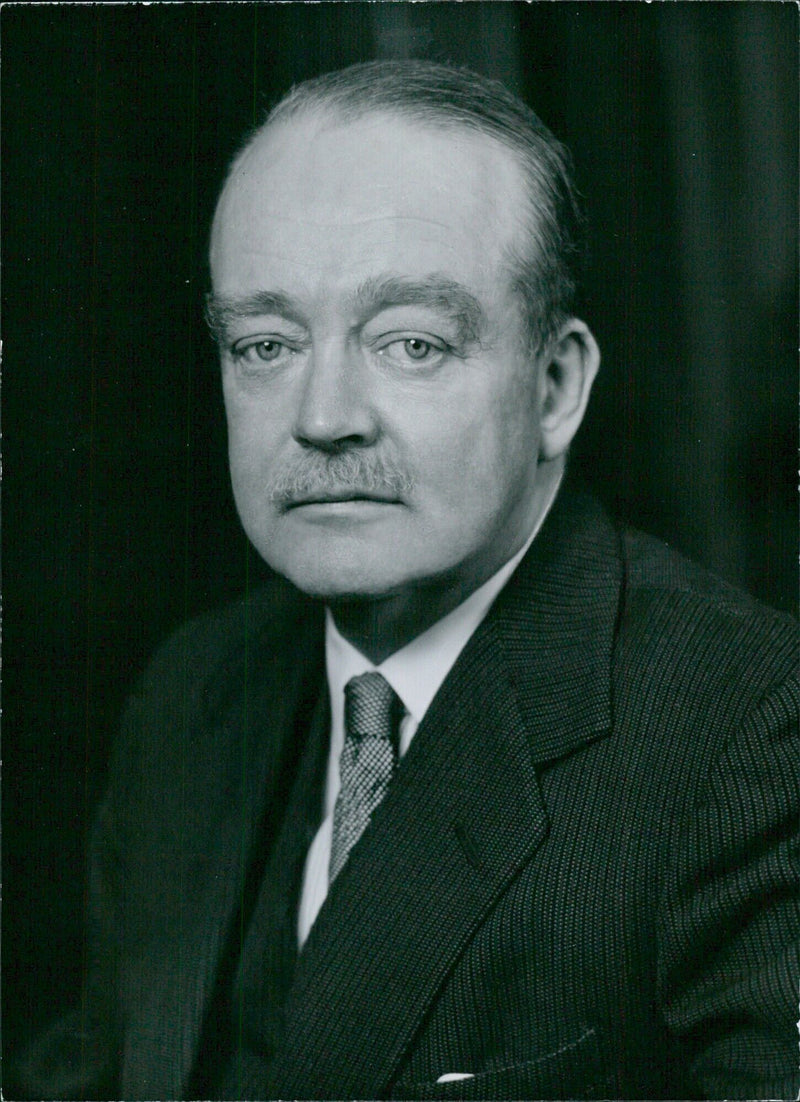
(252, 434)
(484, 444)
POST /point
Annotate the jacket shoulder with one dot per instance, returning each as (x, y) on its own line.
(654, 565)
(689, 638)
(256, 626)
(222, 670)
(655, 572)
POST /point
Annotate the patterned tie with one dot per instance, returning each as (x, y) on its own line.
(372, 714)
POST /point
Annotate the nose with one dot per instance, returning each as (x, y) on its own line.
(335, 410)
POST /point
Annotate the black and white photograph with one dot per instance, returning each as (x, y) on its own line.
(400, 541)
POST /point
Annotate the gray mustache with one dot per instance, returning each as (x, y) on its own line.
(323, 474)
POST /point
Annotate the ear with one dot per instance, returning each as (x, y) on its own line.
(566, 382)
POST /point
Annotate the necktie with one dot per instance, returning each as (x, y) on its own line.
(372, 713)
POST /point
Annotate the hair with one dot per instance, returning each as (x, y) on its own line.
(545, 269)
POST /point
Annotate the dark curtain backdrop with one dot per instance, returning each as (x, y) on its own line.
(117, 123)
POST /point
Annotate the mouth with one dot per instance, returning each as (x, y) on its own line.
(341, 496)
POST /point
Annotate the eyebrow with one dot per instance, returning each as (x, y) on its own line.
(222, 310)
(439, 293)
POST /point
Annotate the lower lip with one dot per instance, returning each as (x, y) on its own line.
(349, 509)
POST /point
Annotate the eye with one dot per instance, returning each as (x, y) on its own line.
(264, 351)
(417, 349)
(413, 350)
(267, 350)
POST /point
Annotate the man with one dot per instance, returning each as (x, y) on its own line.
(490, 798)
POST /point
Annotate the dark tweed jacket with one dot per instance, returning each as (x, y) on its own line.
(582, 883)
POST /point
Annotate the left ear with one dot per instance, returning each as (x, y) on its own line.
(566, 381)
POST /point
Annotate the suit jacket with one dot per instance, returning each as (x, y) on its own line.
(582, 883)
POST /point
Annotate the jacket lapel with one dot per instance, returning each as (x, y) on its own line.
(444, 842)
(463, 815)
(267, 955)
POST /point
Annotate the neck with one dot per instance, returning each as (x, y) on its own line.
(378, 626)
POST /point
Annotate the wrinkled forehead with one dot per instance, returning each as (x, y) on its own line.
(320, 170)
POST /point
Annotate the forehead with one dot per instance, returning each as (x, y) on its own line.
(318, 193)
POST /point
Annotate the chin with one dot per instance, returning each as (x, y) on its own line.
(344, 586)
(333, 577)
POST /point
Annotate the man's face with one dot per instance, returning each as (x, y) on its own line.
(383, 410)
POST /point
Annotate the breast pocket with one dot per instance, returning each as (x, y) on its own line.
(574, 1070)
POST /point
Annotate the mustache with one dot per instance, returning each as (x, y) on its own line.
(319, 474)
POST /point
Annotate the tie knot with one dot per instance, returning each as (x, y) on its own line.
(372, 709)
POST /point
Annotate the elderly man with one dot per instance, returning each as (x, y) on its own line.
(485, 797)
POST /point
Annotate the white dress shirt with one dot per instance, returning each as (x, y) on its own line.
(416, 673)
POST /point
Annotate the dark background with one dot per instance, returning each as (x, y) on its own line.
(117, 123)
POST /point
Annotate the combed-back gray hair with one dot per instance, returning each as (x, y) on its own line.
(544, 268)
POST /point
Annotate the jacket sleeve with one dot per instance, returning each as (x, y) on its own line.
(80, 1055)
(77, 1057)
(729, 966)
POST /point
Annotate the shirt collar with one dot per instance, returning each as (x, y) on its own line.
(417, 670)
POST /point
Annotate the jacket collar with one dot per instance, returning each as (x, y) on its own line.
(556, 623)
